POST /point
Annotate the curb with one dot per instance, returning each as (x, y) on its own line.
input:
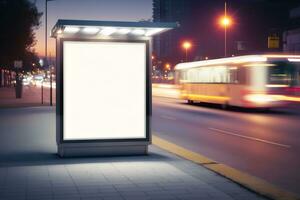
(250, 182)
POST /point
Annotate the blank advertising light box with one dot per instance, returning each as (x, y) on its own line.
(103, 86)
(104, 90)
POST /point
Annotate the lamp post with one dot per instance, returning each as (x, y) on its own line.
(186, 45)
(46, 50)
(225, 22)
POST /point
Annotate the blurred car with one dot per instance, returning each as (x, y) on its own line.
(37, 80)
(26, 80)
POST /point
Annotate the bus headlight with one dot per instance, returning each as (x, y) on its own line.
(260, 98)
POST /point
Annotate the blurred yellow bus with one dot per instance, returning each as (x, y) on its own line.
(252, 81)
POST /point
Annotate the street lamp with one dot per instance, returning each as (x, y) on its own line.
(168, 66)
(186, 45)
(225, 21)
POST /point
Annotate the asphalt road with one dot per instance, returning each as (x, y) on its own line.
(263, 144)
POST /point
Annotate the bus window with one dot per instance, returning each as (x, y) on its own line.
(298, 79)
(233, 77)
(192, 75)
(283, 73)
(177, 77)
(219, 74)
(242, 75)
(182, 76)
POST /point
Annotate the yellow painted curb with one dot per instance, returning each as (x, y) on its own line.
(251, 182)
(168, 146)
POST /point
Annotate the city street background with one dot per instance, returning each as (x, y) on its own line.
(225, 95)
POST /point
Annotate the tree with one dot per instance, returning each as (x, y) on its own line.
(18, 20)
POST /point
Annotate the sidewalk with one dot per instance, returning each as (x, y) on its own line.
(30, 168)
(31, 96)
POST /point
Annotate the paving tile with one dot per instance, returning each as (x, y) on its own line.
(109, 194)
(113, 198)
(91, 198)
(39, 196)
(67, 198)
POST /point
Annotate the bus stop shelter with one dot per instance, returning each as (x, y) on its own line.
(103, 86)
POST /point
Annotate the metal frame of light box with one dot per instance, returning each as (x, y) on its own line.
(130, 146)
(60, 93)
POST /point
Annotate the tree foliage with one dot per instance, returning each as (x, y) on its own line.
(18, 20)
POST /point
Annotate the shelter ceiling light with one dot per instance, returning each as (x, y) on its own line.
(91, 30)
(153, 31)
(124, 31)
(70, 29)
(108, 31)
(59, 31)
(138, 32)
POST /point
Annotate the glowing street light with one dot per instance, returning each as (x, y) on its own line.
(167, 66)
(225, 21)
(186, 45)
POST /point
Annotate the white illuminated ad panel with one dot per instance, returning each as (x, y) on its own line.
(104, 86)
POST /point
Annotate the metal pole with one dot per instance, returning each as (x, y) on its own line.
(46, 50)
(46, 60)
(225, 31)
(50, 85)
(186, 55)
(42, 87)
(225, 45)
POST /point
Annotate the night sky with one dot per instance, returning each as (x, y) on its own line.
(113, 10)
(253, 19)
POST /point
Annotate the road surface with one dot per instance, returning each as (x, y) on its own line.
(263, 144)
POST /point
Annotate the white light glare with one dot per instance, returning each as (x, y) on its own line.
(69, 29)
(59, 31)
(294, 60)
(260, 65)
(249, 59)
(138, 32)
(241, 59)
(90, 30)
(41, 62)
(124, 31)
(108, 31)
(153, 31)
(276, 86)
(260, 98)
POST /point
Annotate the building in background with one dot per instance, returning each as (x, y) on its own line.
(168, 11)
(199, 25)
(168, 46)
(291, 37)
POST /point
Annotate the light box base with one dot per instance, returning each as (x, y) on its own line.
(83, 149)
